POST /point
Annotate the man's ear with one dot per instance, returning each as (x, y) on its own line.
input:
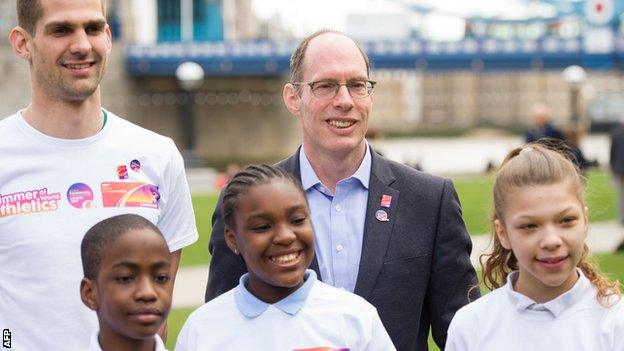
(291, 99)
(109, 36)
(19, 39)
(230, 240)
(88, 293)
(501, 233)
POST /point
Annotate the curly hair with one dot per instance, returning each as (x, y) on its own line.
(537, 164)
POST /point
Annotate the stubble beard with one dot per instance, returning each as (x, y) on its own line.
(58, 86)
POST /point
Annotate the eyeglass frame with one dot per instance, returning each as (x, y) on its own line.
(311, 85)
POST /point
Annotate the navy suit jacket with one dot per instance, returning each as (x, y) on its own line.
(415, 268)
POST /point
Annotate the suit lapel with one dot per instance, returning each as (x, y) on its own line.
(291, 165)
(377, 232)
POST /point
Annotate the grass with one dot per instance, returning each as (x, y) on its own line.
(475, 194)
(197, 254)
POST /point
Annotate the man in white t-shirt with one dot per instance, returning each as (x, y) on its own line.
(67, 164)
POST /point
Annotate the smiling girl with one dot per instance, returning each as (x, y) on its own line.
(548, 295)
(279, 304)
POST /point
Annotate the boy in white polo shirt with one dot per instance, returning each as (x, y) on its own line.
(278, 305)
(127, 281)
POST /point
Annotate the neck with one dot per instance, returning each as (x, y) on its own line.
(541, 293)
(65, 119)
(332, 168)
(115, 342)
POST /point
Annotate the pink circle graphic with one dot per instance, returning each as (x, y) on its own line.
(80, 195)
(135, 165)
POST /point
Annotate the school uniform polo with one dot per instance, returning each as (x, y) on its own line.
(507, 320)
(315, 316)
(95, 343)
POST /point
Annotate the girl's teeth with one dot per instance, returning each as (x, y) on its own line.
(285, 258)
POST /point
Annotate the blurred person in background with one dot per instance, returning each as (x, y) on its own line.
(616, 163)
(542, 127)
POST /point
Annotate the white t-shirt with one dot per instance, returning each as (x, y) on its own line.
(314, 317)
(51, 192)
(507, 320)
(95, 343)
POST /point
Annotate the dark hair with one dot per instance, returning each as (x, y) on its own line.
(244, 180)
(298, 56)
(30, 11)
(536, 164)
(103, 234)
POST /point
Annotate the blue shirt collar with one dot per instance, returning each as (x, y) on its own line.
(251, 307)
(310, 179)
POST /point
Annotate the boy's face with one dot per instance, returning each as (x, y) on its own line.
(132, 292)
(275, 237)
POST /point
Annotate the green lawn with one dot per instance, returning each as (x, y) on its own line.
(475, 194)
(197, 254)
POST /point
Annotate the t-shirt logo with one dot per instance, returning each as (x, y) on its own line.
(130, 194)
(29, 201)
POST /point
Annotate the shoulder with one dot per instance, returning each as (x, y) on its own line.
(213, 311)
(339, 300)
(124, 129)
(408, 179)
(615, 310)
(7, 123)
(482, 308)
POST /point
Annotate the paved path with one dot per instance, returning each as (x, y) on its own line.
(191, 282)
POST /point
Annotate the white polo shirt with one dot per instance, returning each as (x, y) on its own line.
(95, 343)
(315, 316)
(507, 320)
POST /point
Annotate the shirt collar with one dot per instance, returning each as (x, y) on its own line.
(555, 306)
(310, 179)
(252, 307)
(95, 343)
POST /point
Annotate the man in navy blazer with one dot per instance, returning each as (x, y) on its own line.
(386, 232)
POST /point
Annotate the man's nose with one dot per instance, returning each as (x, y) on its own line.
(81, 44)
(343, 98)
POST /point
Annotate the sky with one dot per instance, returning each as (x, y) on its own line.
(305, 16)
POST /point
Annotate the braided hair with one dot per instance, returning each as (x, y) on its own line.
(247, 178)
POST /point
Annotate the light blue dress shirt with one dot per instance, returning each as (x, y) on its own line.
(338, 221)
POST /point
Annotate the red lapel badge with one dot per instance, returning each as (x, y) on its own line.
(386, 200)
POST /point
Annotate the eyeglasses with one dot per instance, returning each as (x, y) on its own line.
(328, 89)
